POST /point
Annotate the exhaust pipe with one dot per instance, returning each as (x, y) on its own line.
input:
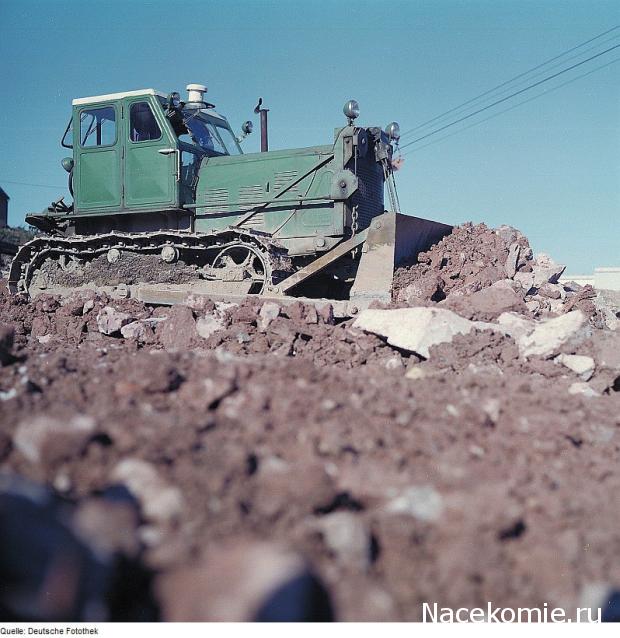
(264, 142)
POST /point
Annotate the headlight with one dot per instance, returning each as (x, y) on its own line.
(351, 109)
(393, 131)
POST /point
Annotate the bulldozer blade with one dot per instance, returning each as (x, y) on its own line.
(392, 239)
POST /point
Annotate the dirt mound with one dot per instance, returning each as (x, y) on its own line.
(481, 272)
(465, 261)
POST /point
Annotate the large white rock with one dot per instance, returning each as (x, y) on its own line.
(415, 329)
(547, 337)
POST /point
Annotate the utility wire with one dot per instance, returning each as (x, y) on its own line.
(458, 111)
(508, 97)
(531, 99)
(516, 77)
(7, 181)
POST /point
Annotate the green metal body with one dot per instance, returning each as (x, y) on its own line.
(306, 198)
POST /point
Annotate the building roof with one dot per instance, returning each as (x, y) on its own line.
(4, 194)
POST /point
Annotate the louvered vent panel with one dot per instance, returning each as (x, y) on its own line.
(256, 221)
(250, 195)
(215, 199)
(282, 179)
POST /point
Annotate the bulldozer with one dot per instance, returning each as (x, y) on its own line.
(166, 205)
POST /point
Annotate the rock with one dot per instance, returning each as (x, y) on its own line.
(606, 347)
(268, 312)
(582, 388)
(512, 260)
(421, 502)
(200, 303)
(607, 302)
(545, 270)
(7, 336)
(49, 439)
(135, 330)
(110, 321)
(346, 536)
(533, 306)
(394, 363)
(326, 314)
(161, 503)
(579, 364)
(41, 326)
(244, 582)
(312, 316)
(570, 285)
(208, 325)
(548, 336)
(89, 304)
(415, 329)
(514, 325)
(551, 291)
(525, 280)
(486, 304)
(427, 288)
(178, 332)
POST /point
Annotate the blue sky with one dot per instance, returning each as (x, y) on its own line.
(550, 167)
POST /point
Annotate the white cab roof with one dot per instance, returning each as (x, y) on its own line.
(116, 96)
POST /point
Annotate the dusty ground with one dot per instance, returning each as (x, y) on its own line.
(260, 447)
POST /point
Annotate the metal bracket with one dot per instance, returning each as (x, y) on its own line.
(322, 262)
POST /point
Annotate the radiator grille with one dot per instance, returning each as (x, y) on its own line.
(369, 196)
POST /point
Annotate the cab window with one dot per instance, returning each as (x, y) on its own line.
(143, 126)
(98, 127)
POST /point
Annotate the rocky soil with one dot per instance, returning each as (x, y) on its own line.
(458, 447)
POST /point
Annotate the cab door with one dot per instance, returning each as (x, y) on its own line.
(151, 159)
(97, 154)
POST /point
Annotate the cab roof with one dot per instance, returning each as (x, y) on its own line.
(116, 96)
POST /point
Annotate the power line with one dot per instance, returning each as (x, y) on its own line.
(516, 77)
(7, 181)
(527, 88)
(457, 111)
(531, 99)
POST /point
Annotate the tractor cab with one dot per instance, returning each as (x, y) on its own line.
(140, 151)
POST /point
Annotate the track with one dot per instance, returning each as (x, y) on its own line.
(231, 261)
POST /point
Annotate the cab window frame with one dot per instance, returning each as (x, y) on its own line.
(96, 107)
(143, 100)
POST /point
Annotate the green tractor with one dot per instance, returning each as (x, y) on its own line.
(166, 204)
